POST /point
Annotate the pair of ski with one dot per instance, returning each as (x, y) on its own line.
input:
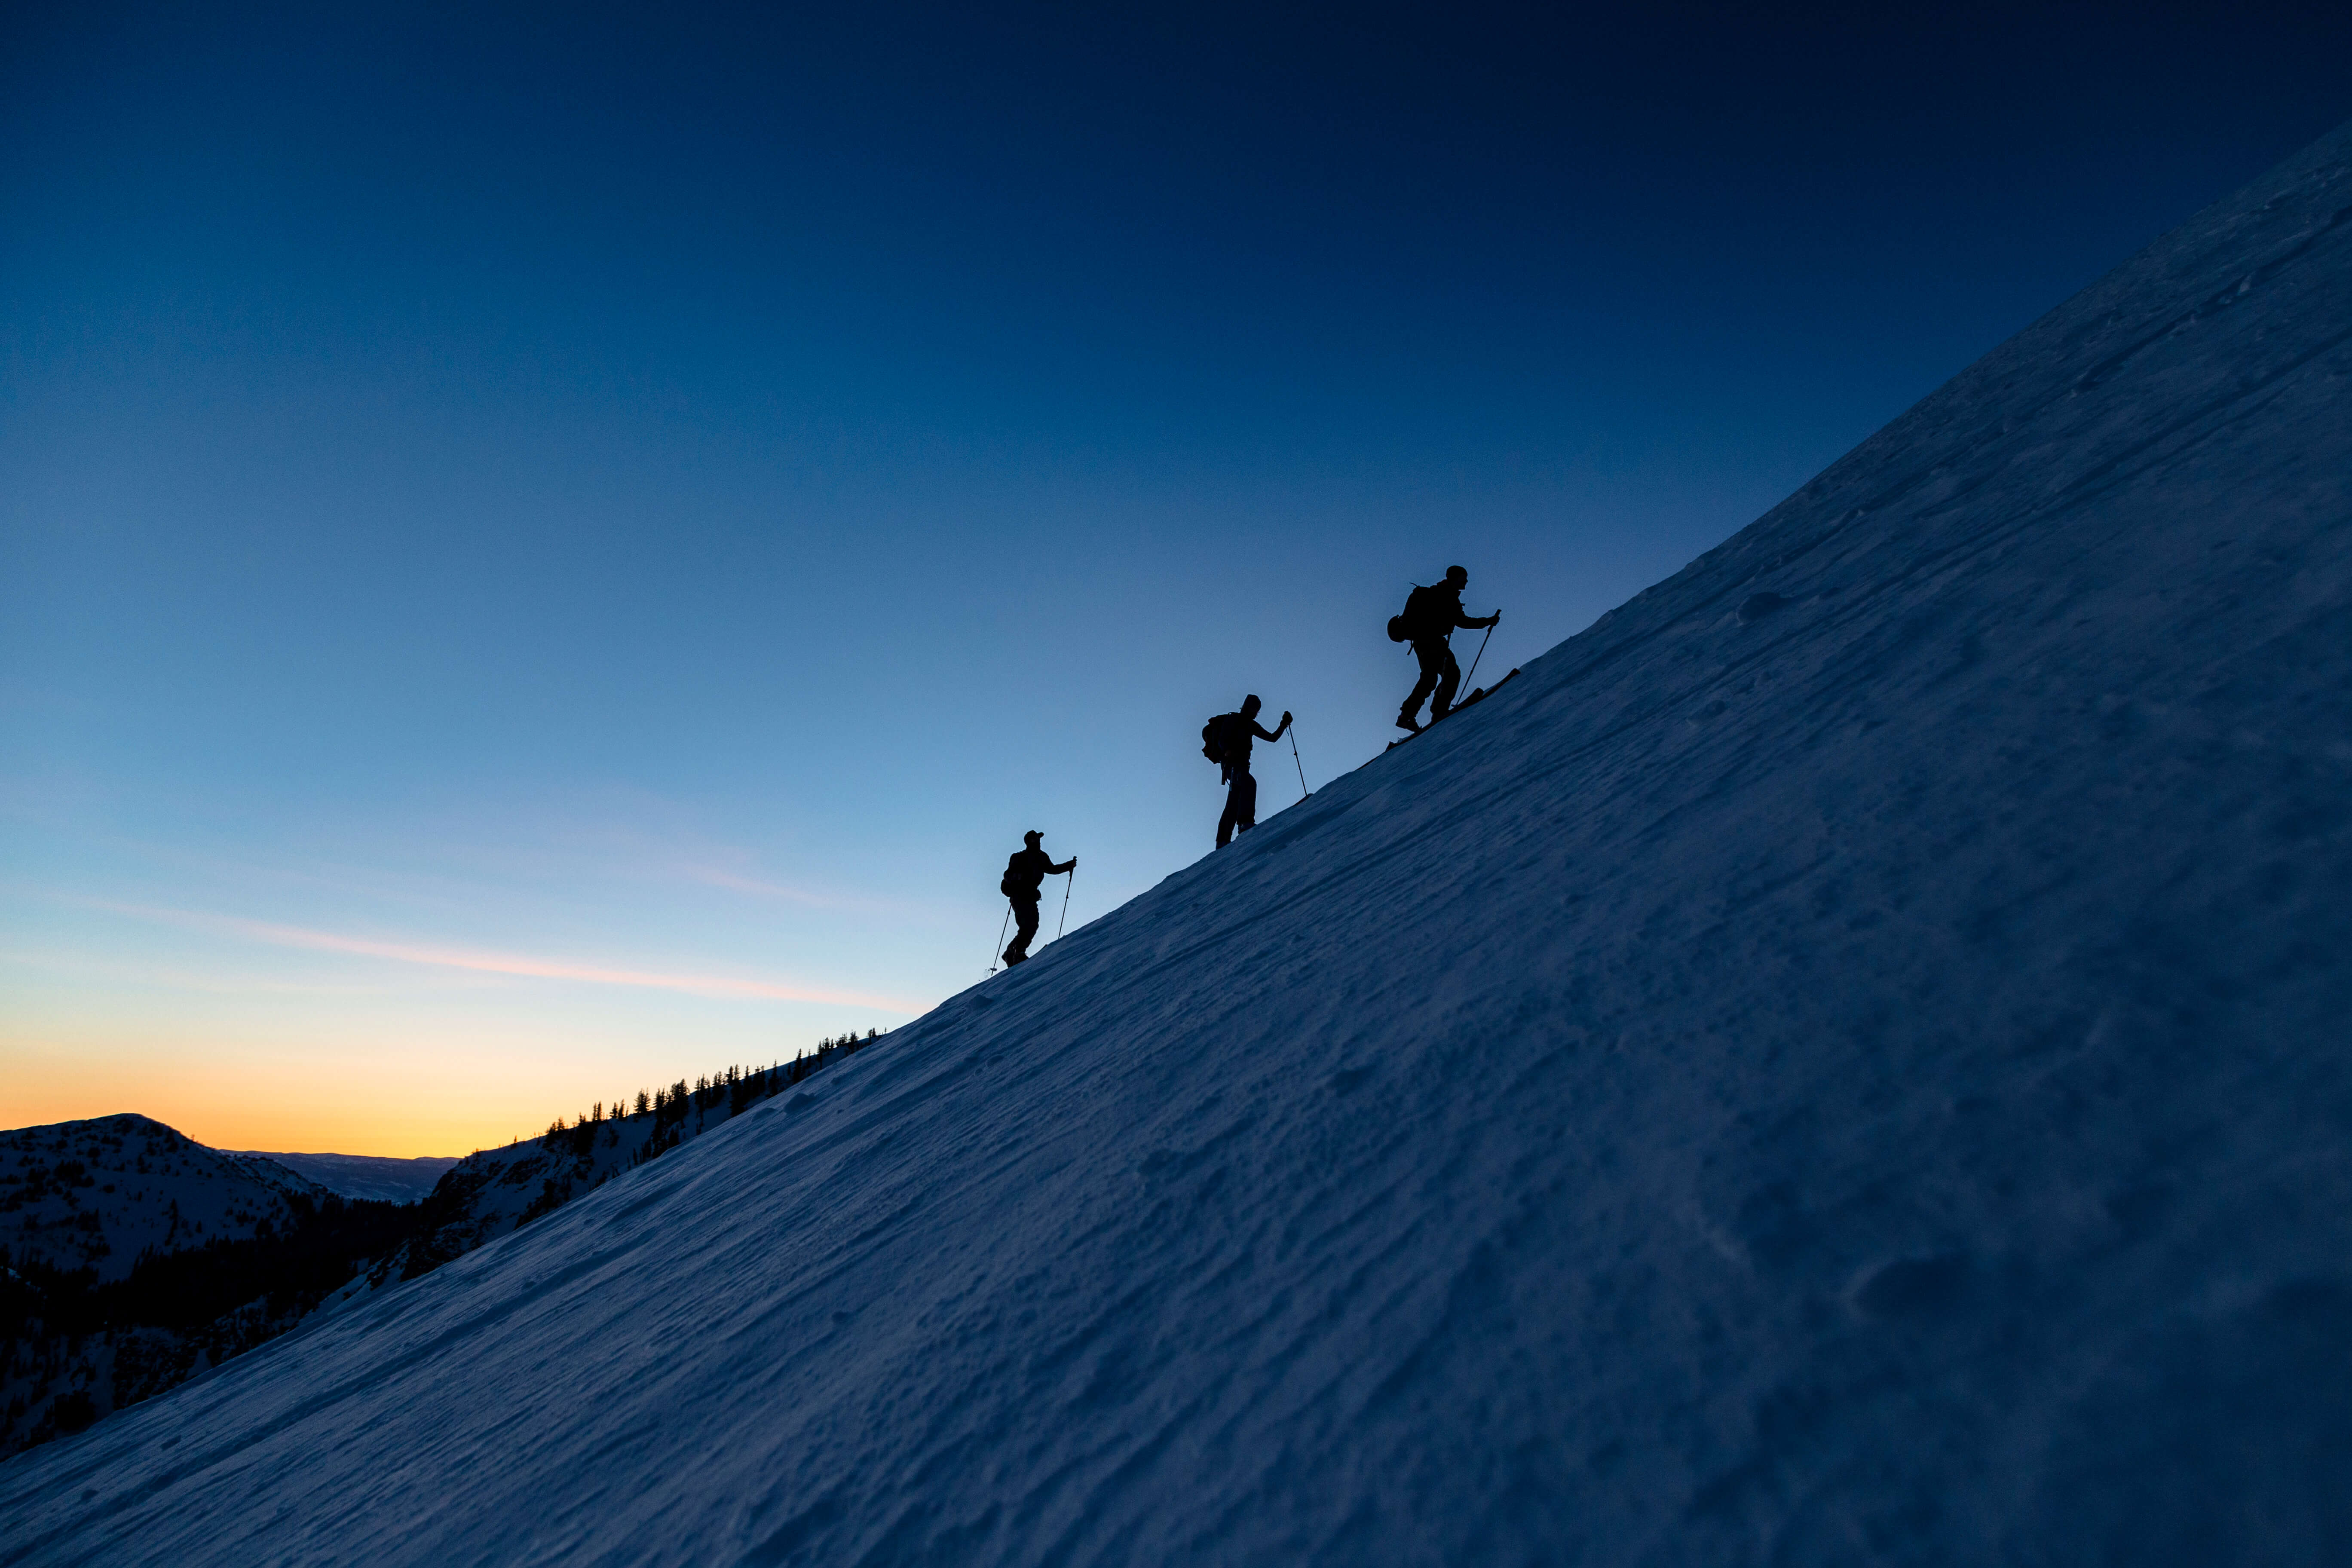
(1480, 695)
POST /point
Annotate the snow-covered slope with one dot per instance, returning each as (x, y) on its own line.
(96, 1193)
(493, 1191)
(81, 1204)
(1845, 1060)
(79, 1345)
(372, 1177)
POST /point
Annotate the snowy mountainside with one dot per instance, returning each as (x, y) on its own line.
(96, 1193)
(75, 1346)
(374, 1177)
(1842, 1061)
(87, 1211)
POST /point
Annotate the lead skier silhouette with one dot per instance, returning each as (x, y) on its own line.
(1025, 879)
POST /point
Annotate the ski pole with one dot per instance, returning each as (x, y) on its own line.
(1303, 791)
(1481, 649)
(1004, 927)
(1065, 903)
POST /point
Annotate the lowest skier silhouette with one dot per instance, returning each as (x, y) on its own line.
(1024, 877)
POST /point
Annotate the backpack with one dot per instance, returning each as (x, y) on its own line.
(1016, 883)
(1420, 619)
(1213, 738)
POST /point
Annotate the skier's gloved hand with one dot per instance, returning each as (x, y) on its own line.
(1286, 718)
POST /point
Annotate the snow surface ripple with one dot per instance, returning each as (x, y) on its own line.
(1844, 1060)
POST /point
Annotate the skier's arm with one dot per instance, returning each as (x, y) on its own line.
(1467, 622)
(1069, 865)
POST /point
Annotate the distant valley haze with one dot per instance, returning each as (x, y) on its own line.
(373, 1177)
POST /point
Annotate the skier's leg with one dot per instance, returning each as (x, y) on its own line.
(1430, 668)
(1232, 816)
(1243, 806)
(1449, 676)
(1024, 917)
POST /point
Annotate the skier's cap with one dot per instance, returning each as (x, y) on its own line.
(1454, 572)
(1031, 836)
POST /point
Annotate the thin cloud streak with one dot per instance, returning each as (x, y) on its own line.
(500, 962)
(54, 965)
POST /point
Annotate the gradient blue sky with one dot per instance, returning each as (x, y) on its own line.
(542, 551)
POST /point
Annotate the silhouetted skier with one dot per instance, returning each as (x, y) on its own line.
(1024, 877)
(1227, 742)
(1431, 615)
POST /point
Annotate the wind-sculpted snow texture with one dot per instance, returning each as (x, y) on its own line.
(1844, 1060)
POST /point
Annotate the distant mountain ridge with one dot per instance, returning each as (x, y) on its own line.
(98, 1194)
(376, 1178)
